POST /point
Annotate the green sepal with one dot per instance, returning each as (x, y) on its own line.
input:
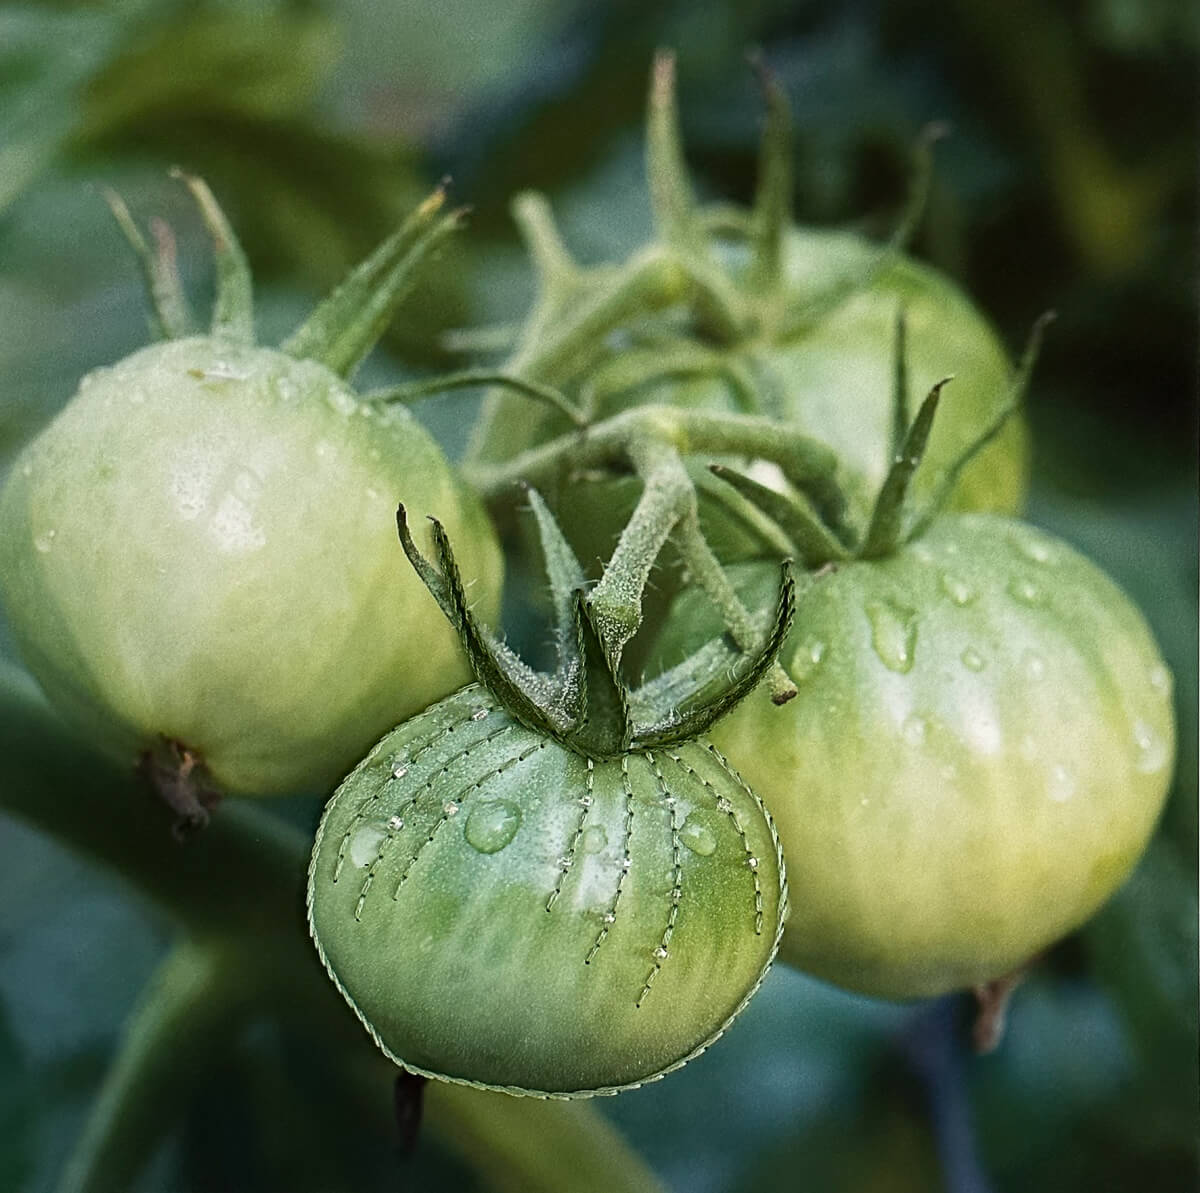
(1009, 407)
(604, 728)
(671, 198)
(772, 215)
(534, 699)
(686, 722)
(813, 541)
(172, 318)
(884, 529)
(233, 309)
(566, 579)
(347, 324)
(900, 382)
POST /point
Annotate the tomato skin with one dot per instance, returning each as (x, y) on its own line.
(201, 547)
(979, 750)
(500, 910)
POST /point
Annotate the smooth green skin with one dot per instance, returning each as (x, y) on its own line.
(202, 547)
(945, 823)
(835, 381)
(464, 964)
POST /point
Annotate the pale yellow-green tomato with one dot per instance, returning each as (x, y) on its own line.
(201, 549)
(978, 751)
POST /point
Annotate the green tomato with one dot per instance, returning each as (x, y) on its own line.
(502, 910)
(201, 548)
(980, 746)
(834, 381)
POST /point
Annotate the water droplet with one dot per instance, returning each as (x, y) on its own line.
(972, 660)
(585, 801)
(593, 840)
(479, 714)
(564, 864)
(395, 823)
(364, 844)
(492, 825)
(921, 553)
(1151, 749)
(864, 801)
(609, 918)
(1025, 591)
(45, 541)
(723, 805)
(914, 730)
(399, 771)
(1061, 785)
(806, 660)
(1033, 548)
(341, 400)
(1034, 664)
(660, 953)
(752, 862)
(957, 589)
(450, 808)
(1160, 678)
(698, 837)
(626, 862)
(893, 634)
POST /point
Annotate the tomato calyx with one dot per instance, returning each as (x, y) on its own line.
(180, 779)
(585, 703)
(819, 540)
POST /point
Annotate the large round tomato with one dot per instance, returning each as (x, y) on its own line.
(202, 548)
(979, 748)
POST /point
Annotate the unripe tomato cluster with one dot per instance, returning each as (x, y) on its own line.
(954, 741)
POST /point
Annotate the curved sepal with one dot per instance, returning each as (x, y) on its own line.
(683, 723)
(534, 699)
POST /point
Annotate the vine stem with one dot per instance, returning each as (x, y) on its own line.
(808, 464)
(237, 891)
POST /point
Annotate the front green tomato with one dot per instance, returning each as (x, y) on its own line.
(979, 749)
(201, 548)
(502, 910)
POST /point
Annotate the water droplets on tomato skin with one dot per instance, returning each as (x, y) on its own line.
(972, 660)
(365, 842)
(44, 542)
(893, 634)
(698, 836)
(1024, 590)
(1160, 679)
(1061, 783)
(806, 660)
(1152, 749)
(593, 839)
(957, 589)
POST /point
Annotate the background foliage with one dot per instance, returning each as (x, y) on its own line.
(1069, 183)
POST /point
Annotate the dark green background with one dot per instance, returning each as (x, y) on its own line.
(1069, 183)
